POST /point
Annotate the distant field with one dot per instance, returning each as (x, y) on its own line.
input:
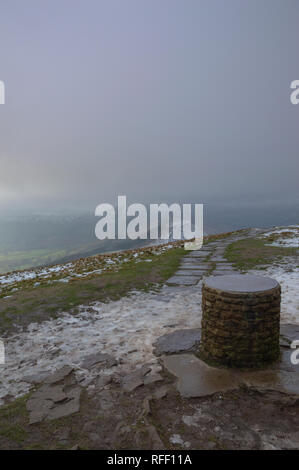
(27, 242)
(17, 260)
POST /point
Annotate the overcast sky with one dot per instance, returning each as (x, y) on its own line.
(160, 100)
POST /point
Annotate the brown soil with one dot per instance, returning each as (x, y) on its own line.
(113, 419)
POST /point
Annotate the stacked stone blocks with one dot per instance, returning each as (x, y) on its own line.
(240, 329)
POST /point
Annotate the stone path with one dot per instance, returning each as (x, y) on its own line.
(207, 261)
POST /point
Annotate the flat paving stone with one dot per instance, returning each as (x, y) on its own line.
(182, 281)
(196, 378)
(179, 341)
(225, 268)
(190, 272)
(201, 261)
(278, 380)
(218, 259)
(194, 260)
(197, 255)
(221, 273)
(225, 265)
(192, 267)
(195, 266)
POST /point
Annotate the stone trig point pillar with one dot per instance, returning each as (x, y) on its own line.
(240, 320)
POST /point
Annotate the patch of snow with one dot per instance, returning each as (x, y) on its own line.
(287, 242)
(17, 277)
(292, 240)
(132, 323)
(288, 278)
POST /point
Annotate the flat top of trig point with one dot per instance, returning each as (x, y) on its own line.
(241, 283)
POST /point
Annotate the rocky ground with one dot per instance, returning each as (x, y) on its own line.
(124, 374)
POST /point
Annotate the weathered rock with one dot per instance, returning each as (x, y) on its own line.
(67, 408)
(36, 378)
(161, 392)
(152, 378)
(131, 383)
(136, 379)
(103, 381)
(38, 409)
(105, 360)
(179, 341)
(56, 398)
(44, 407)
(37, 416)
(58, 375)
(54, 393)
